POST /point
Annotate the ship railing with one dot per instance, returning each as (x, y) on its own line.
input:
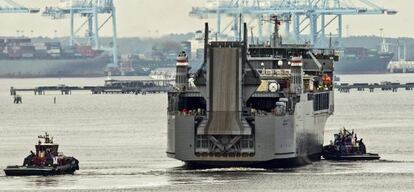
(192, 112)
(274, 73)
(280, 110)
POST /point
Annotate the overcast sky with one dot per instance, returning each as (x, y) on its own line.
(146, 17)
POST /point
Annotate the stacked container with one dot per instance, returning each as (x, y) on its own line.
(53, 49)
(68, 52)
(2, 49)
(17, 47)
(40, 50)
(85, 51)
(126, 63)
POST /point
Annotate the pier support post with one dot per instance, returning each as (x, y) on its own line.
(65, 92)
(12, 91)
(39, 92)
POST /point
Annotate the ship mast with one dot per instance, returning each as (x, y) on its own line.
(384, 45)
(277, 39)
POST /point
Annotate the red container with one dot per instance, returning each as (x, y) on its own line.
(85, 51)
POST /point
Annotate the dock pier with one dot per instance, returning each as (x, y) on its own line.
(161, 86)
(110, 87)
(384, 86)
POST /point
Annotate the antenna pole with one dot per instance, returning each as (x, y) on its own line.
(206, 31)
(240, 27)
(251, 34)
(330, 40)
(405, 52)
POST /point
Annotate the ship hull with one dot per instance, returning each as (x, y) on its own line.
(257, 106)
(22, 68)
(291, 140)
(274, 163)
(369, 65)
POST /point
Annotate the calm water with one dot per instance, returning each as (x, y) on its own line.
(120, 141)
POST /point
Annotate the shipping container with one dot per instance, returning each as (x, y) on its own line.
(53, 45)
(40, 46)
(85, 51)
(13, 52)
(17, 41)
(27, 51)
(3, 52)
(14, 55)
(19, 52)
(68, 52)
(41, 54)
(125, 57)
(3, 43)
(25, 44)
(27, 55)
(54, 52)
(27, 48)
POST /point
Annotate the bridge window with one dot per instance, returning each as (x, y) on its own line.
(321, 101)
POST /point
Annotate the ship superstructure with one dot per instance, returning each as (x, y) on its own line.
(251, 105)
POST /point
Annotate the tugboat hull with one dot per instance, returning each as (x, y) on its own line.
(42, 171)
(361, 157)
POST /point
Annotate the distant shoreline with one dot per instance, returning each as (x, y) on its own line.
(47, 76)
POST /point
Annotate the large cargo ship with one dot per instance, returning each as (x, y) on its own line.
(20, 57)
(359, 60)
(251, 105)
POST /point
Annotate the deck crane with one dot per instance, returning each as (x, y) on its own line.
(10, 6)
(89, 9)
(313, 15)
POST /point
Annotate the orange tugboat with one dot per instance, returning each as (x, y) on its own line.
(45, 161)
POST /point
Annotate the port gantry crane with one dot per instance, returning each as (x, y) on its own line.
(315, 15)
(10, 6)
(89, 9)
